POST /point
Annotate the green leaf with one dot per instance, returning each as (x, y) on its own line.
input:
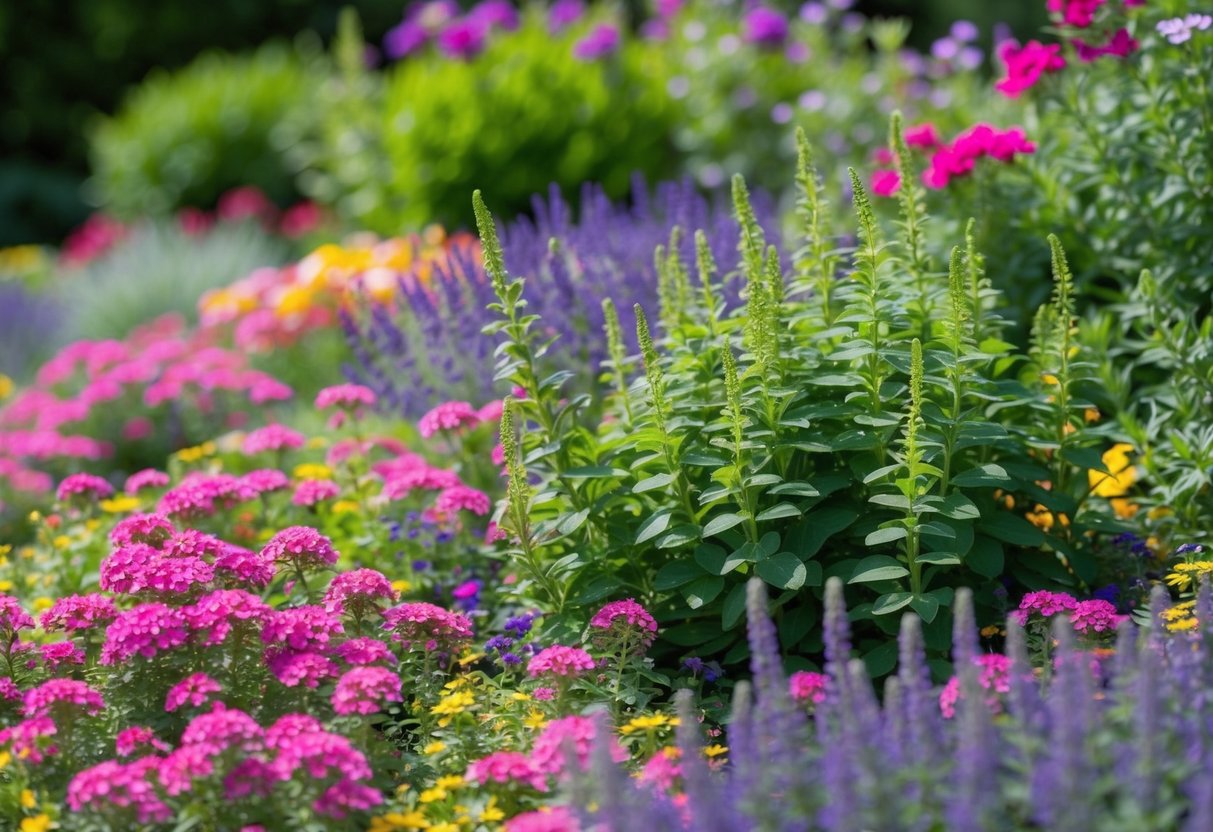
(702, 591)
(777, 512)
(650, 483)
(880, 473)
(573, 522)
(722, 522)
(716, 560)
(734, 607)
(891, 500)
(887, 535)
(878, 568)
(891, 602)
(703, 460)
(881, 660)
(783, 570)
(795, 489)
(680, 535)
(1010, 528)
(937, 530)
(597, 589)
(983, 476)
(676, 573)
(958, 507)
(654, 525)
(985, 558)
(809, 535)
(587, 472)
(938, 558)
(768, 544)
(926, 606)
(762, 479)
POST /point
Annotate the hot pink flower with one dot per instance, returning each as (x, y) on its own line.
(85, 486)
(549, 751)
(460, 498)
(345, 396)
(13, 617)
(559, 660)
(293, 668)
(547, 819)
(626, 616)
(263, 481)
(1077, 13)
(112, 785)
(449, 416)
(1025, 64)
(301, 628)
(300, 547)
(240, 566)
(1045, 604)
(806, 686)
(194, 689)
(147, 478)
(42, 700)
(1097, 616)
(923, 135)
(311, 492)
(507, 767)
(364, 650)
(61, 652)
(130, 740)
(1120, 45)
(273, 438)
(145, 630)
(363, 690)
(419, 625)
(358, 593)
(994, 676)
(885, 182)
(151, 529)
(401, 485)
(79, 612)
(213, 616)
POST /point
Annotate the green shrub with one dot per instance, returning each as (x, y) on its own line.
(184, 138)
(523, 113)
(160, 269)
(874, 427)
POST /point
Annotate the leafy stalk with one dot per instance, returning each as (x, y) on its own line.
(615, 348)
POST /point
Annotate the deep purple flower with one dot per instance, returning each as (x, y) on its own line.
(602, 40)
(463, 39)
(764, 27)
(496, 13)
(563, 14)
(404, 39)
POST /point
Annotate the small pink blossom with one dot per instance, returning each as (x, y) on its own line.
(507, 767)
(363, 690)
(44, 699)
(85, 486)
(560, 660)
(806, 686)
(994, 676)
(147, 478)
(310, 492)
(300, 547)
(449, 416)
(273, 437)
(345, 396)
(193, 690)
(462, 498)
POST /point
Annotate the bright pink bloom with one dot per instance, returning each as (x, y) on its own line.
(626, 615)
(885, 182)
(79, 612)
(194, 690)
(114, 786)
(293, 668)
(300, 547)
(462, 498)
(213, 616)
(663, 769)
(345, 396)
(1096, 616)
(152, 529)
(1120, 45)
(806, 686)
(310, 492)
(549, 751)
(1077, 13)
(145, 630)
(240, 566)
(364, 650)
(547, 819)
(13, 617)
(363, 690)
(559, 660)
(402, 484)
(42, 700)
(147, 478)
(1025, 64)
(85, 486)
(420, 625)
(923, 135)
(273, 438)
(507, 767)
(449, 416)
(994, 676)
(263, 481)
(358, 593)
(61, 652)
(1045, 604)
(301, 628)
(130, 740)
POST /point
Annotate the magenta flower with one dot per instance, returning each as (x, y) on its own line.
(193, 690)
(764, 27)
(1077, 13)
(60, 653)
(358, 593)
(626, 616)
(449, 416)
(351, 397)
(463, 39)
(1097, 616)
(311, 492)
(145, 630)
(1045, 604)
(364, 650)
(13, 616)
(242, 567)
(994, 676)
(462, 498)
(419, 625)
(563, 14)
(547, 819)
(273, 437)
(42, 700)
(1026, 64)
(549, 752)
(559, 660)
(363, 690)
(78, 612)
(885, 182)
(262, 481)
(301, 628)
(213, 616)
(147, 478)
(1120, 45)
(806, 686)
(300, 547)
(507, 767)
(151, 529)
(122, 787)
(85, 486)
(306, 668)
(601, 41)
(130, 740)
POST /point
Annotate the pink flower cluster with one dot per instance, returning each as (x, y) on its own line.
(300, 547)
(86, 486)
(364, 651)
(13, 616)
(1045, 604)
(125, 787)
(201, 495)
(147, 478)
(130, 740)
(145, 630)
(273, 437)
(420, 625)
(78, 612)
(806, 686)
(549, 752)
(979, 141)
(559, 660)
(1095, 616)
(1026, 64)
(363, 690)
(310, 492)
(44, 699)
(358, 593)
(462, 498)
(193, 690)
(994, 675)
(507, 767)
(350, 397)
(449, 416)
(626, 616)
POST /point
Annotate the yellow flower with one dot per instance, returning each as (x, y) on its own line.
(6, 387)
(1182, 625)
(1159, 512)
(43, 603)
(519, 696)
(1124, 509)
(399, 820)
(1050, 379)
(535, 720)
(1091, 414)
(435, 747)
(317, 442)
(1183, 575)
(648, 723)
(345, 507)
(61, 542)
(450, 781)
(6, 586)
(452, 704)
(432, 795)
(1041, 518)
(715, 750)
(445, 827)
(38, 823)
(401, 586)
(1121, 475)
(5, 759)
(294, 300)
(312, 471)
(28, 801)
(120, 504)
(197, 452)
(491, 813)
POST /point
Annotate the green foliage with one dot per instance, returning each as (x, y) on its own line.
(880, 431)
(186, 137)
(161, 269)
(522, 113)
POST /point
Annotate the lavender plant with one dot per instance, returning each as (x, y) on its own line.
(431, 349)
(1117, 743)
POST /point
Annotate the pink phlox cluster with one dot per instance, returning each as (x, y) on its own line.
(1120, 45)
(242, 567)
(994, 676)
(491, 412)
(363, 690)
(294, 667)
(401, 484)
(549, 751)
(29, 740)
(147, 478)
(807, 686)
(59, 653)
(547, 819)
(213, 616)
(463, 498)
(87, 486)
(193, 543)
(1076, 13)
(663, 769)
(448, 416)
(1095, 616)
(130, 740)
(560, 660)
(363, 651)
(346, 397)
(1026, 64)
(13, 616)
(507, 767)
(626, 614)
(201, 495)
(301, 547)
(138, 567)
(426, 625)
(223, 728)
(977, 142)
(78, 612)
(126, 787)
(42, 700)
(311, 492)
(358, 592)
(145, 630)
(194, 690)
(321, 756)
(263, 481)
(151, 529)
(301, 628)
(1043, 603)
(9, 691)
(273, 437)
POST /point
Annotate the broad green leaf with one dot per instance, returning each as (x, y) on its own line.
(985, 558)
(937, 530)
(734, 607)
(654, 525)
(891, 500)
(589, 472)
(795, 489)
(716, 560)
(878, 568)
(675, 574)
(938, 558)
(983, 476)
(926, 606)
(573, 522)
(722, 522)
(891, 602)
(1011, 529)
(650, 483)
(881, 473)
(777, 512)
(810, 534)
(881, 660)
(888, 535)
(680, 535)
(702, 591)
(783, 570)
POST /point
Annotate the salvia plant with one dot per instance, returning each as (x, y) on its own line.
(856, 415)
(430, 347)
(1117, 740)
